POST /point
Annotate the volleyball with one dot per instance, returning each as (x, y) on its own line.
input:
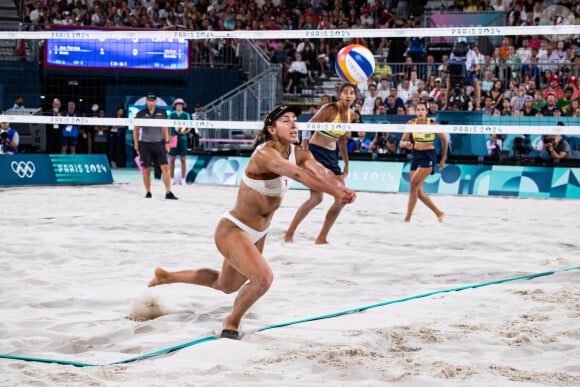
(355, 63)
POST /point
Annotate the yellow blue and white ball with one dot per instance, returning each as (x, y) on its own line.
(355, 64)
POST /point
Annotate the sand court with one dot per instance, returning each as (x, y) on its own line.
(76, 262)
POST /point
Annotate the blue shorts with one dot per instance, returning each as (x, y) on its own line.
(424, 159)
(328, 158)
(470, 78)
(181, 148)
(69, 141)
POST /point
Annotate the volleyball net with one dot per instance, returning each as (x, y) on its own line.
(139, 60)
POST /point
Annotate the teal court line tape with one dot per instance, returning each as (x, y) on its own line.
(295, 322)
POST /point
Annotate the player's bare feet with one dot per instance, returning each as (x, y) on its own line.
(319, 241)
(160, 278)
(441, 217)
(288, 238)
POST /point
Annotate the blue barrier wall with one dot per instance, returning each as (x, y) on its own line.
(41, 169)
(456, 179)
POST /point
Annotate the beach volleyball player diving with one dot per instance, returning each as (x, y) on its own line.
(241, 232)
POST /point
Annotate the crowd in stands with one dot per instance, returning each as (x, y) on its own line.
(522, 76)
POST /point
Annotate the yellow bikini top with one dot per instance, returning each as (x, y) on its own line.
(424, 136)
(337, 118)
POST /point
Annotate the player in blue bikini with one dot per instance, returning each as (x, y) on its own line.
(241, 233)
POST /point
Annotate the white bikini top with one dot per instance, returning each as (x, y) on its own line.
(273, 187)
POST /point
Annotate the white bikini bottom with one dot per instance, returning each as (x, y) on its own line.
(254, 235)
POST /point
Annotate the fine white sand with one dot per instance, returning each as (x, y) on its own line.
(75, 263)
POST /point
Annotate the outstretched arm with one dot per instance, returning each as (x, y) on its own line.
(308, 172)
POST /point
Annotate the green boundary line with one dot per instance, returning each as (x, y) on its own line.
(285, 324)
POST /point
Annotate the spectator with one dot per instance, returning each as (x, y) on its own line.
(533, 71)
(528, 109)
(429, 69)
(362, 141)
(404, 90)
(432, 107)
(379, 107)
(383, 70)
(9, 139)
(488, 106)
(149, 143)
(391, 105)
(117, 154)
(517, 101)
(551, 105)
(513, 63)
(416, 49)
(548, 59)
(370, 100)
(178, 143)
(487, 83)
(565, 101)
(437, 93)
(309, 56)
(553, 88)
(53, 131)
(573, 83)
(494, 146)
(442, 69)
(297, 73)
(539, 101)
(513, 89)
(524, 52)
(101, 136)
(322, 52)
(573, 109)
(506, 109)
(70, 133)
(531, 87)
(412, 103)
(383, 89)
(18, 103)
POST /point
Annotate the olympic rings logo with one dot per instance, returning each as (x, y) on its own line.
(23, 168)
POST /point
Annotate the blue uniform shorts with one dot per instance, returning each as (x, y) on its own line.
(328, 158)
(424, 159)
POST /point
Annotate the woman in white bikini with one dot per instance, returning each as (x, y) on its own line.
(241, 233)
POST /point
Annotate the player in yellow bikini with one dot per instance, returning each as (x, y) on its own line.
(323, 146)
(423, 161)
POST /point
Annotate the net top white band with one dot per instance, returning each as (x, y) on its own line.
(551, 126)
(82, 34)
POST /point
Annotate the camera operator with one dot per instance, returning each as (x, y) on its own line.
(555, 147)
(463, 68)
(9, 139)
